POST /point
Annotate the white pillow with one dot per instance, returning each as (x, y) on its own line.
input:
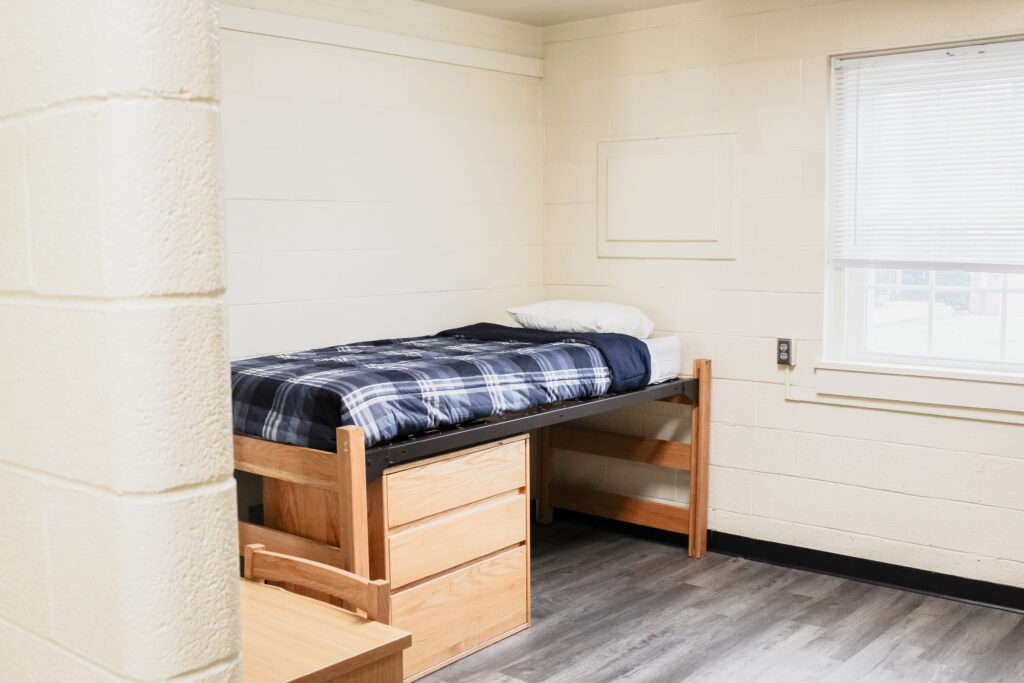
(583, 316)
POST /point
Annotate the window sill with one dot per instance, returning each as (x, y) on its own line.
(989, 396)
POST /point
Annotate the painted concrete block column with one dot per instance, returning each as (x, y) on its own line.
(118, 543)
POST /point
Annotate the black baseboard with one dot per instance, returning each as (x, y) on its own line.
(985, 593)
(880, 573)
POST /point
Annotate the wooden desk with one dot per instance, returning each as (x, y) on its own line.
(289, 637)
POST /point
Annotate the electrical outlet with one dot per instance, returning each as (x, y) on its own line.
(784, 352)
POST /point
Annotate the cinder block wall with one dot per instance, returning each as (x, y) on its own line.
(372, 195)
(118, 542)
(932, 492)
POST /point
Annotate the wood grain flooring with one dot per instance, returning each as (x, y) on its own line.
(612, 606)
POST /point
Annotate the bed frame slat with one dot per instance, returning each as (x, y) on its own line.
(621, 508)
(289, 544)
(623, 446)
(284, 462)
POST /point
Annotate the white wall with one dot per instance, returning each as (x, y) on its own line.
(371, 195)
(118, 557)
(937, 493)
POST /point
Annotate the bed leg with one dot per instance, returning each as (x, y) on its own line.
(699, 461)
(353, 525)
(547, 468)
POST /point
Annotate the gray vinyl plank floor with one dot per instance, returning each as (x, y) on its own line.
(613, 606)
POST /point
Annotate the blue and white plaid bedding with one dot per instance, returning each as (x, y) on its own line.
(398, 387)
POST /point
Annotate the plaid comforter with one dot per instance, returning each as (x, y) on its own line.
(397, 387)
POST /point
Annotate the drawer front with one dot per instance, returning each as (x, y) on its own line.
(423, 491)
(453, 539)
(459, 611)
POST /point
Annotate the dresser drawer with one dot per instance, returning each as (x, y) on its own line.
(457, 537)
(429, 489)
(458, 612)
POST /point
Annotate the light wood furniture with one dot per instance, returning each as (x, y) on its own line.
(450, 534)
(691, 457)
(290, 637)
(358, 592)
(325, 491)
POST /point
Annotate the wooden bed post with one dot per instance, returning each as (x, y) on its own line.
(547, 468)
(351, 493)
(701, 426)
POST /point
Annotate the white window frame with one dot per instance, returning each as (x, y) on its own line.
(922, 385)
(844, 334)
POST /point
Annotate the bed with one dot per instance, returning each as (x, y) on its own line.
(417, 397)
(395, 388)
(371, 452)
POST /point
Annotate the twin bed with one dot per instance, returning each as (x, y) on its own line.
(395, 388)
(407, 460)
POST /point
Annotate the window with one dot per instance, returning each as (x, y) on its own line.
(927, 207)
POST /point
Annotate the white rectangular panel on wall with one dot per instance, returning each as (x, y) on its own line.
(666, 197)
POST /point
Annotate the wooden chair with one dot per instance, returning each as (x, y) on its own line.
(356, 592)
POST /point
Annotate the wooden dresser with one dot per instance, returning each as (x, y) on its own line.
(451, 535)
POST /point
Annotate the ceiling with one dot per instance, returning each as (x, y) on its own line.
(549, 12)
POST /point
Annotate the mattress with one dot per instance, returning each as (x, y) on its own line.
(394, 388)
(666, 358)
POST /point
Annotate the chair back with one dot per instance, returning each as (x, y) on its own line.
(372, 597)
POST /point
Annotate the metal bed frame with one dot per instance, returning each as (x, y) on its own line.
(379, 458)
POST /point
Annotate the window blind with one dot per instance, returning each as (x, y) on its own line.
(927, 159)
